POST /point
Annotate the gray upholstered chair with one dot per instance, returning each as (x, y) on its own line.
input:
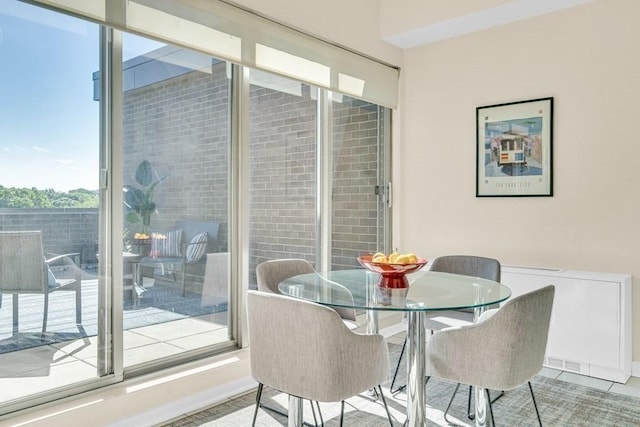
(467, 265)
(304, 349)
(504, 350)
(25, 270)
(269, 274)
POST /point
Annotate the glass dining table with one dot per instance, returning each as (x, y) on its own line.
(427, 292)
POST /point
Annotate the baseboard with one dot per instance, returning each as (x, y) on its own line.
(190, 404)
(635, 369)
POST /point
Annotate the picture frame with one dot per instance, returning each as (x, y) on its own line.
(514, 149)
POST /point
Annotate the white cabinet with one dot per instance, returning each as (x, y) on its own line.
(590, 331)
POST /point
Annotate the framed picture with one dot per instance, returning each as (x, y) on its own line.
(514, 149)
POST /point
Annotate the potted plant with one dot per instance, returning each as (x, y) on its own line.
(139, 200)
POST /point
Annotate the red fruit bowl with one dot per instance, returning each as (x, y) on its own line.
(392, 275)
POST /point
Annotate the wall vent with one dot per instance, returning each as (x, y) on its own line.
(572, 366)
(555, 363)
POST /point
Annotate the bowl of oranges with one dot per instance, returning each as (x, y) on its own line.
(392, 268)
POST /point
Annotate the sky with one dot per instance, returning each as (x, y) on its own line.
(49, 122)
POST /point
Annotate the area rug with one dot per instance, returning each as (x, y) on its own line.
(561, 404)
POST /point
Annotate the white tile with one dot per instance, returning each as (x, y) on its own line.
(549, 372)
(36, 361)
(633, 382)
(132, 339)
(177, 329)
(625, 389)
(80, 349)
(148, 353)
(49, 377)
(597, 383)
(193, 342)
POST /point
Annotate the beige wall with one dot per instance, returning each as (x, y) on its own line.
(586, 58)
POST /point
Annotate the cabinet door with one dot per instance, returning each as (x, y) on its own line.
(602, 329)
(585, 320)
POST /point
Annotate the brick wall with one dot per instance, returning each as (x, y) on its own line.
(181, 125)
(63, 230)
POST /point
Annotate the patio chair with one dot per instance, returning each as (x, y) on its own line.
(25, 270)
(185, 246)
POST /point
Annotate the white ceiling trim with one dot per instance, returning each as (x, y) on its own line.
(514, 11)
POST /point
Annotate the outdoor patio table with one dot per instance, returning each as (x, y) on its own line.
(428, 291)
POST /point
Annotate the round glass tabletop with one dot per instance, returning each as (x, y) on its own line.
(427, 291)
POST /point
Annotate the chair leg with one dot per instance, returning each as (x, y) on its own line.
(534, 403)
(78, 303)
(395, 374)
(386, 408)
(471, 413)
(184, 279)
(319, 414)
(45, 314)
(493, 422)
(16, 320)
(277, 411)
(78, 286)
(446, 411)
(258, 396)
(341, 413)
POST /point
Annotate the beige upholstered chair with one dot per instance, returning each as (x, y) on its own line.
(304, 349)
(466, 265)
(269, 274)
(24, 270)
(504, 350)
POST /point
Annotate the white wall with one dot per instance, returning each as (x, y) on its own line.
(587, 59)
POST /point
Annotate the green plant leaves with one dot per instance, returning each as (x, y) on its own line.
(144, 174)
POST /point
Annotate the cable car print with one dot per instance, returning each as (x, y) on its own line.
(510, 149)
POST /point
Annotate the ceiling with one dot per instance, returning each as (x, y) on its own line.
(470, 20)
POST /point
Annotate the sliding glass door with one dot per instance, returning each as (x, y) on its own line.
(49, 203)
(136, 175)
(176, 121)
(318, 174)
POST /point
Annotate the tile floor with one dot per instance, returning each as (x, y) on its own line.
(46, 367)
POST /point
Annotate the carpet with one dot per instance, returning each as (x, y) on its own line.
(561, 404)
(158, 304)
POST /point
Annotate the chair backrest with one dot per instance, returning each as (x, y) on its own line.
(304, 349)
(22, 266)
(269, 274)
(503, 351)
(468, 265)
(191, 228)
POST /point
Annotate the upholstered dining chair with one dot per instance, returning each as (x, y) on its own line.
(467, 265)
(504, 350)
(269, 274)
(25, 270)
(304, 349)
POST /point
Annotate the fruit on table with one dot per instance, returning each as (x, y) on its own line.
(394, 258)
